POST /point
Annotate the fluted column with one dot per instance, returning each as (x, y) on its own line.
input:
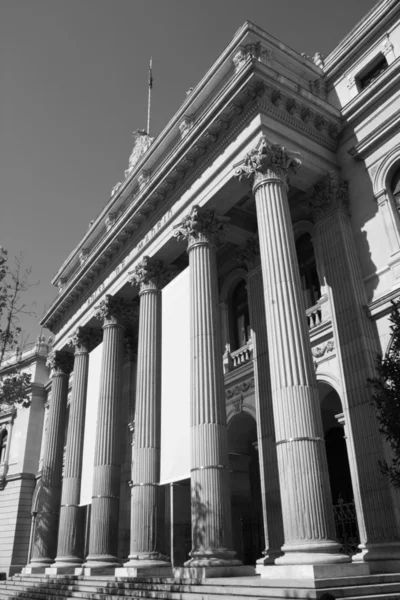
(357, 348)
(147, 502)
(71, 527)
(103, 542)
(45, 537)
(210, 493)
(303, 471)
(248, 255)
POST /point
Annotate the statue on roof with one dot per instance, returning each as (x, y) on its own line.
(141, 143)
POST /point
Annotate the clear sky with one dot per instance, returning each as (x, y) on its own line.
(73, 85)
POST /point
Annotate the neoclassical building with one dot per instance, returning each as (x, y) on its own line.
(216, 326)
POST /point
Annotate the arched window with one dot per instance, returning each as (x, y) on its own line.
(240, 315)
(3, 446)
(308, 270)
(395, 188)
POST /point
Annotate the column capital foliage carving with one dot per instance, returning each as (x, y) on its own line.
(248, 254)
(115, 310)
(61, 363)
(201, 225)
(267, 161)
(150, 273)
(330, 194)
(85, 339)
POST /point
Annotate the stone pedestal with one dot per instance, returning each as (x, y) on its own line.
(210, 494)
(303, 473)
(147, 503)
(357, 348)
(269, 474)
(45, 537)
(71, 527)
(103, 542)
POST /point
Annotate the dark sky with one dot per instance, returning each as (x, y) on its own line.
(73, 85)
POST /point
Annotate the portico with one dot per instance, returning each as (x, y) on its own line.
(253, 168)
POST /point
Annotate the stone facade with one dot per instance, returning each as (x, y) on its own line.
(277, 199)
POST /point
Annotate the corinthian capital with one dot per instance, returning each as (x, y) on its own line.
(330, 194)
(115, 311)
(150, 273)
(248, 254)
(85, 339)
(201, 225)
(265, 162)
(61, 363)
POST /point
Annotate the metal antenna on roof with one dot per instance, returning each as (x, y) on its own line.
(150, 88)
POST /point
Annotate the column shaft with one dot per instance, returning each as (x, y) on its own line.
(147, 505)
(46, 524)
(269, 474)
(103, 543)
(357, 349)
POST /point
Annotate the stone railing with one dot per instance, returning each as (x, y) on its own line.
(237, 358)
(314, 316)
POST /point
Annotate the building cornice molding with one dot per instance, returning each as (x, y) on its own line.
(360, 36)
(245, 96)
(377, 137)
(383, 305)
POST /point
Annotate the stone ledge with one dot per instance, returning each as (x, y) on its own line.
(213, 572)
(306, 575)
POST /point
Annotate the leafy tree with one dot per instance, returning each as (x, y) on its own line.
(14, 282)
(386, 398)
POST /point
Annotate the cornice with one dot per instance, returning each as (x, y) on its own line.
(383, 305)
(377, 137)
(373, 95)
(243, 96)
(360, 36)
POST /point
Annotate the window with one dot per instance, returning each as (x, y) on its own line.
(395, 188)
(3, 446)
(372, 72)
(308, 270)
(240, 315)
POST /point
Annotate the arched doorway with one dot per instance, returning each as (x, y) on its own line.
(338, 468)
(245, 488)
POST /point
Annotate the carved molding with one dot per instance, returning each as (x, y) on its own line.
(249, 52)
(266, 162)
(85, 339)
(201, 225)
(330, 194)
(115, 311)
(150, 273)
(61, 363)
(236, 392)
(325, 348)
(185, 126)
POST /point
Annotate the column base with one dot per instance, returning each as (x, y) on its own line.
(269, 558)
(34, 570)
(290, 575)
(211, 572)
(106, 561)
(61, 570)
(389, 551)
(149, 570)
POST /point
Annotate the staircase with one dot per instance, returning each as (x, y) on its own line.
(40, 587)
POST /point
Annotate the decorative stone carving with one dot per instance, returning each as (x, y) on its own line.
(116, 188)
(85, 339)
(320, 351)
(251, 51)
(141, 143)
(186, 125)
(62, 282)
(143, 179)
(319, 59)
(83, 255)
(61, 363)
(190, 90)
(240, 389)
(115, 310)
(199, 225)
(319, 87)
(331, 193)
(248, 254)
(150, 272)
(267, 162)
(110, 220)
